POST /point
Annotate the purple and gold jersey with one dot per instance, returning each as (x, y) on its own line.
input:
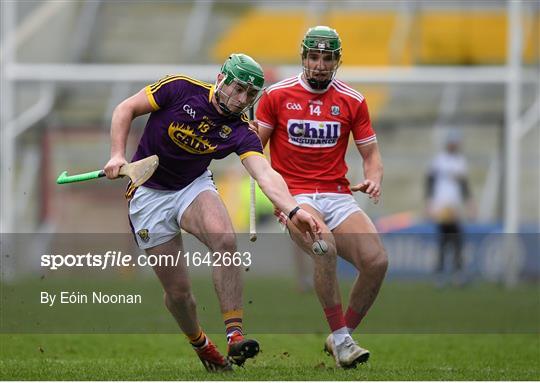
(187, 132)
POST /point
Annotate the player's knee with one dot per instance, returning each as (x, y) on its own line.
(179, 295)
(325, 261)
(377, 262)
(224, 243)
(371, 261)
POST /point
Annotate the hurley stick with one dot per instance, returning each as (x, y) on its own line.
(252, 200)
(139, 172)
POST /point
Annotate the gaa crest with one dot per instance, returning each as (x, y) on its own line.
(225, 132)
(144, 235)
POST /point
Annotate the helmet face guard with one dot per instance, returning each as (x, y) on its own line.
(236, 96)
(241, 85)
(321, 56)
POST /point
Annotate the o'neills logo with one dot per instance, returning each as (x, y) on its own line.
(318, 134)
(186, 137)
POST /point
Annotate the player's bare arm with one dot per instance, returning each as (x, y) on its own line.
(264, 134)
(254, 125)
(275, 188)
(373, 171)
(123, 115)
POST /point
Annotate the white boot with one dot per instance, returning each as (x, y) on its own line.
(347, 354)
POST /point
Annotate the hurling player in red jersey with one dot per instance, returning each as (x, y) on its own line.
(308, 120)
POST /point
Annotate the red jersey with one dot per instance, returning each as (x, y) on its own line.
(311, 132)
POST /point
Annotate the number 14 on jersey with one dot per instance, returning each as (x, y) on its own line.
(314, 109)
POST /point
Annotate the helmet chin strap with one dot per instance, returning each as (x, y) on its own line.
(222, 105)
(225, 109)
(317, 84)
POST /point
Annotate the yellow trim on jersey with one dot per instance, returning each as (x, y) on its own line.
(211, 93)
(167, 78)
(245, 155)
(244, 118)
(158, 82)
(151, 98)
(155, 87)
(201, 84)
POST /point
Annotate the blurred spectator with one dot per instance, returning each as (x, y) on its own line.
(448, 198)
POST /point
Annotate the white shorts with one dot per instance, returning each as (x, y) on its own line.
(155, 215)
(335, 207)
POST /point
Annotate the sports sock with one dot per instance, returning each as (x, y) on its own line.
(336, 321)
(233, 322)
(335, 318)
(198, 340)
(352, 319)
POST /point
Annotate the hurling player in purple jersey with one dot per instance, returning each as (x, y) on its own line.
(190, 124)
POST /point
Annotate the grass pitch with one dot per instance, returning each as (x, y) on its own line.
(414, 332)
(283, 357)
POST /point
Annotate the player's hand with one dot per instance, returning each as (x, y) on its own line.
(281, 216)
(112, 167)
(307, 224)
(369, 187)
(254, 125)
